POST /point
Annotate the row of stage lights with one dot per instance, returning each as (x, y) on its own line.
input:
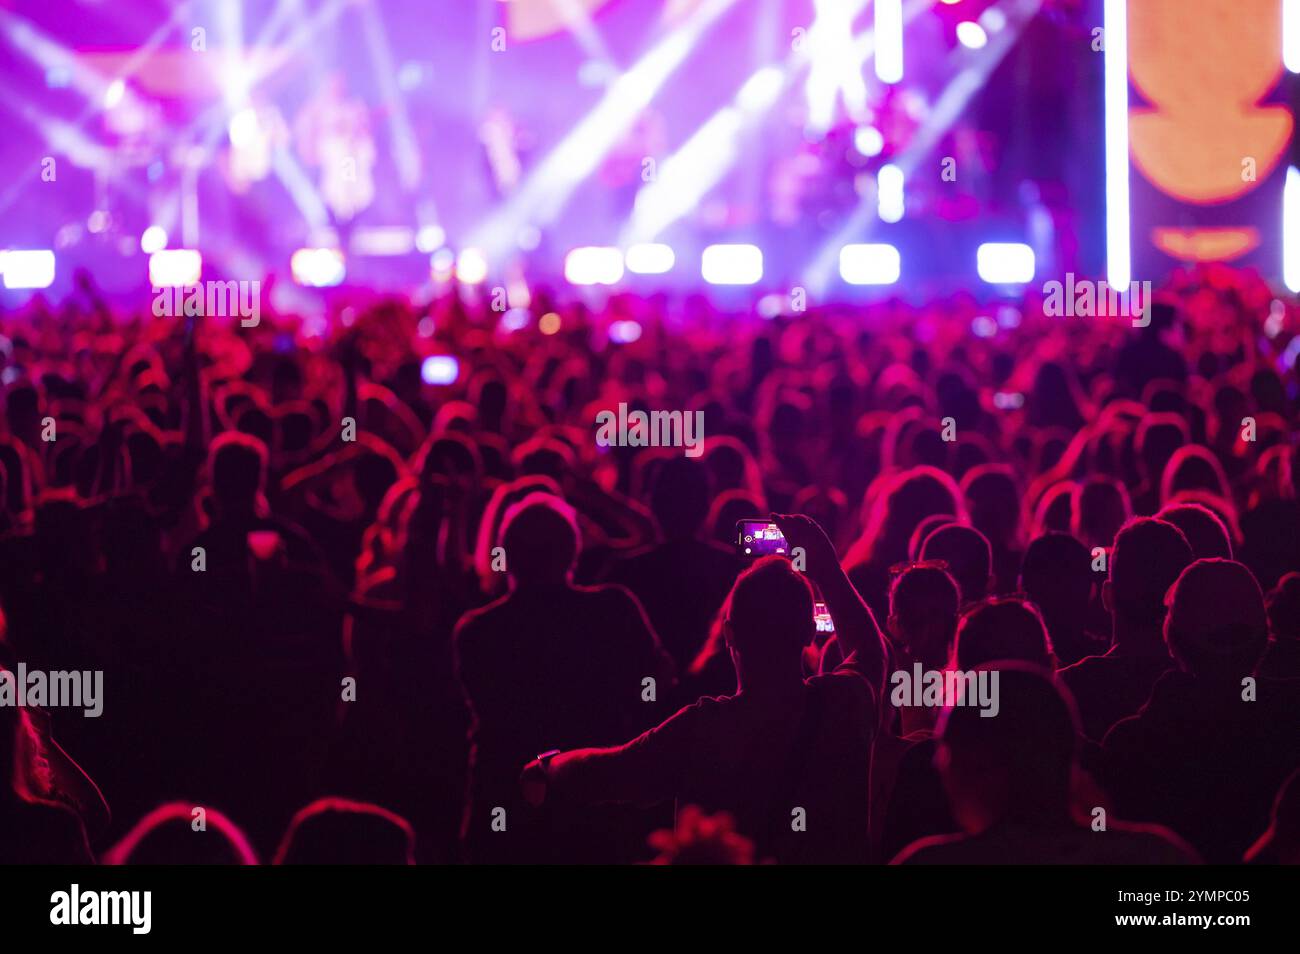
(998, 263)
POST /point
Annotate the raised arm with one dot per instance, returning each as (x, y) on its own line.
(647, 770)
(855, 625)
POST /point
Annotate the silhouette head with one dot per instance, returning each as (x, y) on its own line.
(1205, 530)
(1056, 575)
(541, 540)
(338, 831)
(909, 498)
(1158, 438)
(166, 836)
(1006, 628)
(923, 530)
(994, 501)
(1017, 766)
(238, 470)
(1147, 558)
(769, 619)
(1217, 625)
(923, 605)
(968, 555)
(1101, 507)
(1193, 467)
(679, 498)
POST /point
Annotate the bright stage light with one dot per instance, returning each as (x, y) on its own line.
(429, 239)
(175, 267)
(889, 193)
(686, 176)
(993, 20)
(732, 264)
(551, 183)
(153, 239)
(1119, 266)
(761, 89)
(868, 141)
(317, 267)
(244, 128)
(870, 264)
(947, 108)
(625, 331)
(971, 35)
(889, 40)
(114, 93)
(593, 265)
(439, 369)
(471, 266)
(835, 63)
(28, 268)
(514, 319)
(1291, 35)
(1005, 263)
(649, 258)
(1290, 230)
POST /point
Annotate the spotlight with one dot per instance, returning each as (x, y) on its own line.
(870, 264)
(175, 267)
(889, 40)
(471, 266)
(244, 129)
(868, 141)
(731, 264)
(317, 267)
(429, 239)
(514, 319)
(593, 265)
(153, 239)
(1290, 231)
(439, 369)
(761, 89)
(993, 20)
(1005, 263)
(113, 93)
(1119, 264)
(889, 193)
(651, 258)
(625, 331)
(971, 35)
(28, 268)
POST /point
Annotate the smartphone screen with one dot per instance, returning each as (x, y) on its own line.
(758, 538)
(822, 617)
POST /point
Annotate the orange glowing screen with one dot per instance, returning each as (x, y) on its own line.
(1204, 65)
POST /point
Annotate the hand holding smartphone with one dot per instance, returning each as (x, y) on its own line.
(759, 538)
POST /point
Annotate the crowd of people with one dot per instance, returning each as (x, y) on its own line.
(346, 615)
